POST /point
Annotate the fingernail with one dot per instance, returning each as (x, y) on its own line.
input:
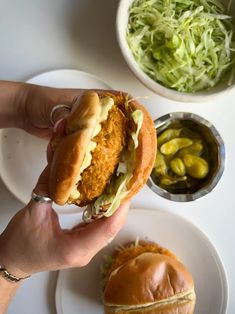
(59, 127)
(49, 152)
(57, 124)
(110, 240)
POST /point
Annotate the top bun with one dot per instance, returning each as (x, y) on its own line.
(147, 279)
(70, 151)
(150, 283)
(103, 141)
(145, 152)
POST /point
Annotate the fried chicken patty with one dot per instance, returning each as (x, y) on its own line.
(105, 158)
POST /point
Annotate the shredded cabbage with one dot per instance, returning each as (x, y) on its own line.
(122, 167)
(114, 199)
(187, 45)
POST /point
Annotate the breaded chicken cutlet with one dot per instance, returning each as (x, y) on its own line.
(110, 142)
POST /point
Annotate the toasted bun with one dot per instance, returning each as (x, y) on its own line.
(71, 149)
(145, 278)
(149, 279)
(145, 152)
(180, 307)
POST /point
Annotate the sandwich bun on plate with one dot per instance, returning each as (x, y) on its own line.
(105, 155)
(144, 278)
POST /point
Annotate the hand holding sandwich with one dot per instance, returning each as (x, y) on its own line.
(29, 106)
(34, 241)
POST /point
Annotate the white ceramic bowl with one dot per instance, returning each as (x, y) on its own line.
(121, 27)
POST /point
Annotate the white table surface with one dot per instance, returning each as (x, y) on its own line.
(36, 36)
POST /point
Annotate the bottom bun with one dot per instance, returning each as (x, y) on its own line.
(181, 307)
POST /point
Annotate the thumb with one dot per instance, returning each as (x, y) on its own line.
(42, 186)
(42, 189)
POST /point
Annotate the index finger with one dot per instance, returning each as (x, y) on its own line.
(94, 236)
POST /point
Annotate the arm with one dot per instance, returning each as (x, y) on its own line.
(7, 291)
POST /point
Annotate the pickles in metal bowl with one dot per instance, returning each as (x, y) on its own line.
(183, 154)
(190, 157)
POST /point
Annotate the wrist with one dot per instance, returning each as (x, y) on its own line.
(12, 263)
(6, 283)
(7, 291)
(12, 99)
(20, 100)
(4, 273)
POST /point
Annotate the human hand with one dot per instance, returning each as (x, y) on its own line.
(38, 102)
(34, 241)
(35, 112)
(29, 106)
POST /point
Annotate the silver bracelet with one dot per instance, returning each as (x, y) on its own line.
(5, 274)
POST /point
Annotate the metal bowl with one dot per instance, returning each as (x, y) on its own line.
(216, 149)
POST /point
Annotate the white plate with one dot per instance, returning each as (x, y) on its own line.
(78, 290)
(23, 156)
